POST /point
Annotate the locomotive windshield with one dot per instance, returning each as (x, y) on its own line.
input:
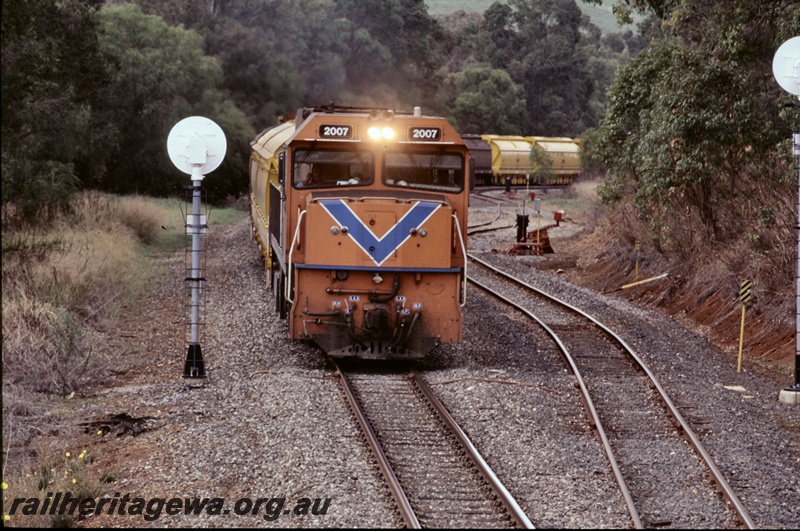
(314, 168)
(442, 171)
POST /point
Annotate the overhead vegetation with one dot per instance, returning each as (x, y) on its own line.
(697, 125)
(696, 140)
(92, 88)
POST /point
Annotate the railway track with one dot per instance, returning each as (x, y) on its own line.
(434, 473)
(653, 453)
(499, 202)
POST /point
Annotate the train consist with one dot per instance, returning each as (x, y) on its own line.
(361, 217)
(543, 160)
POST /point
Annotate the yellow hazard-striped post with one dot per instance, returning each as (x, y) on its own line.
(745, 293)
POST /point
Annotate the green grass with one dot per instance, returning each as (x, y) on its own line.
(601, 15)
(173, 235)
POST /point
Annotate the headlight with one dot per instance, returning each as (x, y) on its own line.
(376, 133)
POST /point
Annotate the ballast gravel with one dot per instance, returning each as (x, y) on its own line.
(272, 423)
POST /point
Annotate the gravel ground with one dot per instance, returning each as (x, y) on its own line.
(272, 422)
(752, 436)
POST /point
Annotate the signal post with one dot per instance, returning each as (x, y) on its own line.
(786, 68)
(196, 146)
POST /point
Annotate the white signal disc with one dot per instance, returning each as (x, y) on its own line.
(786, 66)
(183, 141)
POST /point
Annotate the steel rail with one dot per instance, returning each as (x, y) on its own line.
(403, 505)
(488, 229)
(490, 200)
(588, 404)
(488, 474)
(693, 439)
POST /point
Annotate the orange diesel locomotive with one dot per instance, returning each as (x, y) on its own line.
(361, 217)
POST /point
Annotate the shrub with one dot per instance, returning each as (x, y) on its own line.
(60, 281)
(143, 216)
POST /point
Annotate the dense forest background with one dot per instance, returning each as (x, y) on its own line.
(91, 88)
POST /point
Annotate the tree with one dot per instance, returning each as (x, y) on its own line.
(497, 36)
(52, 73)
(538, 43)
(278, 55)
(711, 138)
(160, 76)
(675, 138)
(463, 31)
(486, 100)
(403, 45)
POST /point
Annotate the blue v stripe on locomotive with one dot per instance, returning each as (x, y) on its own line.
(379, 249)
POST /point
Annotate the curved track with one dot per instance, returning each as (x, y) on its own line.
(497, 201)
(494, 201)
(435, 474)
(633, 407)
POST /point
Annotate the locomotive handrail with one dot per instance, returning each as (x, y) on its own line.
(291, 252)
(464, 252)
